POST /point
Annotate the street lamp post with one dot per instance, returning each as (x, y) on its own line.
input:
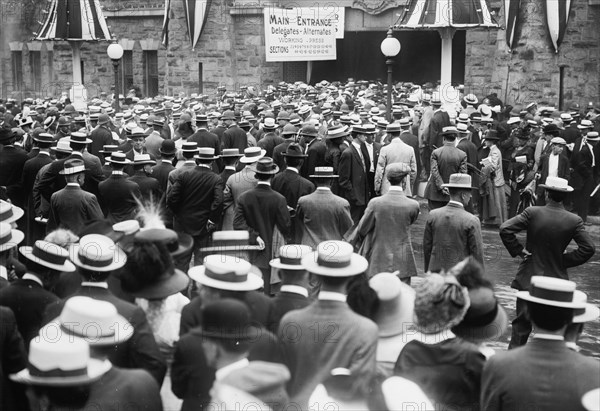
(390, 47)
(115, 52)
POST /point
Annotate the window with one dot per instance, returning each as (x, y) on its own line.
(126, 71)
(17, 69)
(151, 73)
(35, 62)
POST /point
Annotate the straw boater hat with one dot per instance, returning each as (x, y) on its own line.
(231, 152)
(592, 136)
(96, 252)
(143, 159)
(96, 321)
(252, 155)
(396, 304)
(557, 184)
(79, 138)
(558, 140)
(335, 259)
(290, 257)
(324, 172)
(230, 241)
(44, 138)
(554, 292)
(471, 99)
(189, 147)
(109, 149)
(588, 312)
(9, 237)
(226, 272)
(269, 124)
(49, 255)
(72, 166)
(119, 158)
(61, 362)
(206, 154)
(10, 213)
(459, 180)
(591, 399)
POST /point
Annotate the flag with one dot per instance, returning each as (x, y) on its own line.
(511, 17)
(196, 13)
(557, 18)
(165, 26)
(74, 20)
(447, 13)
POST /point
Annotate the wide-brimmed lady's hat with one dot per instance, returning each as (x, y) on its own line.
(96, 321)
(252, 155)
(440, 304)
(225, 272)
(290, 257)
(96, 252)
(177, 243)
(554, 292)
(335, 259)
(9, 237)
(61, 362)
(49, 255)
(265, 166)
(119, 158)
(485, 319)
(9, 213)
(557, 184)
(396, 304)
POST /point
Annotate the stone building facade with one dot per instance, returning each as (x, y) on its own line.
(231, 51)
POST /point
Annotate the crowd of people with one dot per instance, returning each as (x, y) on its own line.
(255, 249)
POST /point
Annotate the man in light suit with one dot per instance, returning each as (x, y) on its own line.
(322, 215)
(408, 138)
(544, 374)
(550, 229)
(451, 233)
(354, 185)
(555, 164)
(395, 152)
(328, 334)
(445, 160)
(72, 208)
(238, 183)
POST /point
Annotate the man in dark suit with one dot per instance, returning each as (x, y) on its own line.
(440, 120)
(570, 132)
(101, 135)
(465, 145)
(452, 233)
(314, 148)
(353, 183)
(583, 161)
(205, 138)
(165, 165)
(14, 359)
(293, 294)
(288, 133)
(270, 139)
(259, 211)
(97, 257)
(445, 160)
(370, 152)
(72, 207)
(12, 161)
(230, 157)
(196, 199)
(290, 184)
(28, 296)
(555, 164)
(142, 176)
(544, 374)
(119, 195)
(550, 229)
(233, 136)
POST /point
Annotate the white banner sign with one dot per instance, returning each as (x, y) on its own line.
(302, 34)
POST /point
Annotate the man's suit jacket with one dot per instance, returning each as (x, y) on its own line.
(27, 300)
(259, 211)
(12, 161)
(269, 142)
(118, 198)
(550, 229)
(581, 163)
(395, 152)
(439, 120)
(353, 182)
(445, 160)
(451, 234)
(413, 141)
(205, 138)
(278, 151)
(368, 161)
(225, 174)
(283, 303)
(14, 359)
(564, 170)
(100, 136)
(235, 137)
(220, 131)
(153, 143)
(322, 216)
(236, 185)
(316, 152)
(161, 173)
(470, 150)
(323, 336)
(194, 198)
(542, 375)
(292, 186)
(149, 186)
(184, 168)
(30, 170)
(570, 133)
(140, 351)
(72, 208)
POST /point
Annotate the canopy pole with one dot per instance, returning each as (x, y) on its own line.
(77, 93)
(446, 33)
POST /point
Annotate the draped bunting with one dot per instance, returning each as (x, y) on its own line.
(557, 17)
(196, 13)
(74, 20)
(511, 16)
(165, 26)
(447, 13)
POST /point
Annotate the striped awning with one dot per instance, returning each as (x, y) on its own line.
(511, 17)
(557, 17)
(76, 20)
(431, 14)
(196, 13)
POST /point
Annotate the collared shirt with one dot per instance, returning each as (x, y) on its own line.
(396, 188)
(371, 157)
(73, 184)
(118, 173)
(357, 147)
(190, 162)
(544, 336)
(553, 165)
(573, 346)
(3, 272)
(294, 169)
(458, 203)
(223, 372)
(265, 183)
(332, 296)
(77, 153)
(205, 166)
(295, 289)
(230, 168)
(33, 278)
(324, 188)
(44, 152)
(101, 284)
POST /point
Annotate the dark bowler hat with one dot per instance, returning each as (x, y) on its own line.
(228, 319)
(295, 151)
(551, 129)
(265, 166)
(492, 135)
(201, 118)
(168, 148)
(309, 131)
